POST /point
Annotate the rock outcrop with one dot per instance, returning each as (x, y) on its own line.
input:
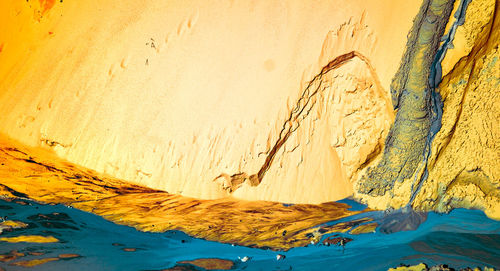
(461, 165)
(404, 146)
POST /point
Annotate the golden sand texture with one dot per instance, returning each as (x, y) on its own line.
(211, 264)
(418, 267)
(365, 228)
(37, 174)
(29, 239)
(424, 267)
(172, 94)
(11, 224)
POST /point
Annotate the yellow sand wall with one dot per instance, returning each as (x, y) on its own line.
(172, 94)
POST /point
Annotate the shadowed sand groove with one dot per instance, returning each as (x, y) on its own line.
(39, 175)
(302, 108)
(304, 105)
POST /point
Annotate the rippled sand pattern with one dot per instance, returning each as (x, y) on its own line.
(39, 175)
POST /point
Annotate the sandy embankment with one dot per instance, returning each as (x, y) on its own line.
(172, 94)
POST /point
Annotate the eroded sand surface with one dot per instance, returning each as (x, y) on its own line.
(173, 94)
(36, 174)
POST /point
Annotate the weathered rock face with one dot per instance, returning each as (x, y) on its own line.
(462, 168)
(411, 94)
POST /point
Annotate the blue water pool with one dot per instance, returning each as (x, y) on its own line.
(461, 238)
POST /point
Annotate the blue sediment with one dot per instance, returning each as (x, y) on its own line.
(461, 238)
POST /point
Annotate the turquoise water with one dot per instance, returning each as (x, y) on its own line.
(461, 238)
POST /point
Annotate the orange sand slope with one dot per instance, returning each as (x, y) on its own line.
(173, 94)
(39, 175)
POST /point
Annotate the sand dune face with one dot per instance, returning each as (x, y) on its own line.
(41, 176)
(174, 94)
